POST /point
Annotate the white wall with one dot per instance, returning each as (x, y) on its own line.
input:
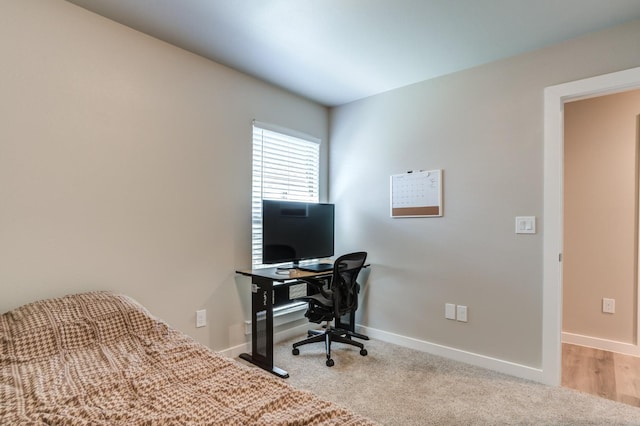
(484, 127)
(125, 164)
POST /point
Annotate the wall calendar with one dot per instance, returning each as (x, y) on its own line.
(416, 194)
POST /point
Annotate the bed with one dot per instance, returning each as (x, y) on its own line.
(101, 358)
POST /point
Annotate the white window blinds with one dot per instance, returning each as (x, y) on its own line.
(285, 167)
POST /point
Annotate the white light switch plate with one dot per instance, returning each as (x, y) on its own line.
(525, 224)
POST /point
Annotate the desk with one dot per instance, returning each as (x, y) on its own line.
(262, 303)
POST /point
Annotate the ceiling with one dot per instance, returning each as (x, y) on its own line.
(338, 51)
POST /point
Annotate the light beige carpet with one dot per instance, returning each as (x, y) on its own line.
(399, 386)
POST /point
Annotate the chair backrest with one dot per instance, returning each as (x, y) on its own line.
(344, 283)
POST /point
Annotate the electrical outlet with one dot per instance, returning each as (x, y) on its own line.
(201, 318)
(525, 224)
(450, 311)
(609, 306)
(462, 313)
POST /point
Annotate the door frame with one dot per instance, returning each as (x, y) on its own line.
(554, 99)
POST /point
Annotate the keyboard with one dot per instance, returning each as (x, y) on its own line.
(316, 267)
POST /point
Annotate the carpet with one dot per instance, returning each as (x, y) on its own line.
(394, 385)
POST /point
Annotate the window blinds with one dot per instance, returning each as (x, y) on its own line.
(285, 167)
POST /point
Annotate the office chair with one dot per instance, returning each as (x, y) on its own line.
(335, 299)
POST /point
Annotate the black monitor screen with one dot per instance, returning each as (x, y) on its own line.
(294, 231)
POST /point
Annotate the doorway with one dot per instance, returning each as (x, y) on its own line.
(600, 253)
(555, 98)
(600, 221)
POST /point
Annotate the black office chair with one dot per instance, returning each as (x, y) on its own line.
(334, 300)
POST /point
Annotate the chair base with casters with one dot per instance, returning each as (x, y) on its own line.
(331, 334)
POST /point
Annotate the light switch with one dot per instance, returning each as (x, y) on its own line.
(525, 224)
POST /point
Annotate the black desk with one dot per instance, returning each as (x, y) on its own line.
(263, 282)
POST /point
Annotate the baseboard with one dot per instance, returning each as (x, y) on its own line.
(471, 358)
(603, 344)
(501, 366)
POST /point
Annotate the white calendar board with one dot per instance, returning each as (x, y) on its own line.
(416, 194)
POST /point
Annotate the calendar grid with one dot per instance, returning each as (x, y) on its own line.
(416, 194)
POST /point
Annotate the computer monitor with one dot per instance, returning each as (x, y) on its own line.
(295, 231)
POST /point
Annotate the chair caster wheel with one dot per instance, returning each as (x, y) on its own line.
(330, 362)
(295, 351)
(363, 352)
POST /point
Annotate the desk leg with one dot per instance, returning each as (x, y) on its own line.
(262, 327)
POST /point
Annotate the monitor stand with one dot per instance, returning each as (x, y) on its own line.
(294, 265)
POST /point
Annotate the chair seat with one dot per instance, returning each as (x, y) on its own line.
(320, 308)
(319, 300)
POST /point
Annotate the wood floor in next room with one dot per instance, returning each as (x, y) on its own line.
(607, 374)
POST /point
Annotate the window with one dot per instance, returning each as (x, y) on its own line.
(286, 166)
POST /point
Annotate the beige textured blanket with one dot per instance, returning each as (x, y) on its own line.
(102, 359)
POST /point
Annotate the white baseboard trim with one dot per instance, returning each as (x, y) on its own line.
(501, 366)
(603, 344)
